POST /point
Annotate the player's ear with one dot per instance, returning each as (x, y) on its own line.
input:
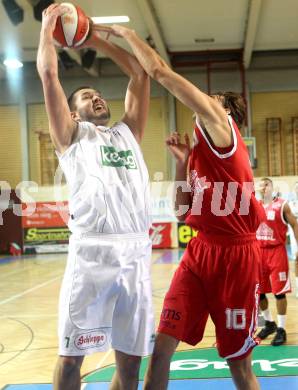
(75, 116)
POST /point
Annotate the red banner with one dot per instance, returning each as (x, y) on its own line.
(45, 214)
(161, 235)
(39, 220)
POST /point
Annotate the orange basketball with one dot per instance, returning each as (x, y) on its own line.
(72, 28)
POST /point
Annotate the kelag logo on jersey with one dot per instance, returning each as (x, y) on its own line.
(112, 158)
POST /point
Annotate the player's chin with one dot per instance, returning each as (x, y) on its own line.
(103, 115)
(102, 118)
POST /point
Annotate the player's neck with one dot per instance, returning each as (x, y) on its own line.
(268, 199)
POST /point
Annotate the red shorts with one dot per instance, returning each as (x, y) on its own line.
(220, 278)
(275, 275)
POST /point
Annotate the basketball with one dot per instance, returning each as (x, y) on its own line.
(72, 28)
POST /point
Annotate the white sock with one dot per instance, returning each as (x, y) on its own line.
(267, 315)
(296, 282)
(281, 321)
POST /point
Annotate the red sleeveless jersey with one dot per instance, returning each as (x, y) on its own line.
(273, 231)
(222, 188)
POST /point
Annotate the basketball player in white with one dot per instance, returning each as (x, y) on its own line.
(106, 292)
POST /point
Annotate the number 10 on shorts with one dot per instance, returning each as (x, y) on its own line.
(235, 319)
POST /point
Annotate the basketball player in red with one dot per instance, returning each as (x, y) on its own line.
(218, 274)
(274, 261)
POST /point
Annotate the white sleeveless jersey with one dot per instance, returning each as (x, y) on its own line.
(108, 181)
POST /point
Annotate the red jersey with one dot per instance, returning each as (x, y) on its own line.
(273, 231)
(222, 189)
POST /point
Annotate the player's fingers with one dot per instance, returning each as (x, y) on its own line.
(57, 11)
(47, 10)
(172, 134)
(170, 140)
(62, 10)
(100, 27)
(117, 29)
(176, 137)
(50, 8)
(187, 140)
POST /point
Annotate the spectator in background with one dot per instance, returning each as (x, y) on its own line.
(275, 275)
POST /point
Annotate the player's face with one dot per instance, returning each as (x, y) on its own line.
(91, 107)
(266, 188)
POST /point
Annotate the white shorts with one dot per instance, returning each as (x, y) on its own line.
(106, 296)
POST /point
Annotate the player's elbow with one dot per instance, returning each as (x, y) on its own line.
(158, 71)
(182, 211)
(140, 75)
(181, 218)
(47, 74)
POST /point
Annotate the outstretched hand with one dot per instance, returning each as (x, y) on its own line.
(115, 29)
(97, 31)
(51, 14)
(179, 150)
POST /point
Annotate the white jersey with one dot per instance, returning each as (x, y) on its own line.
(108, 181)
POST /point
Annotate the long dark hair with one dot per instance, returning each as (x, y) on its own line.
(236, 104)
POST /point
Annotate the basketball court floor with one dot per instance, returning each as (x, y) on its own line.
(28, 342)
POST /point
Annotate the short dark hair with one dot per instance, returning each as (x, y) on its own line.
(267, 179)
(71, 98)
(236, 104)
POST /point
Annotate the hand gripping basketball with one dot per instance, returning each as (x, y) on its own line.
(72, 27)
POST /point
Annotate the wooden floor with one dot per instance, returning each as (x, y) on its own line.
(28, 310)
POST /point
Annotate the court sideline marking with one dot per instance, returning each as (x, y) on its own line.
(16, 296)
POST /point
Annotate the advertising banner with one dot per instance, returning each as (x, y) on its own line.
(44, 227)
(164, 235)
(185, 234)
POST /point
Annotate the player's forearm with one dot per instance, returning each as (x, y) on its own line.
(147, 57)
(182, 196)
(126, 61)
(47, 61)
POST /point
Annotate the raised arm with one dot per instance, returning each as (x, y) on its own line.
(138, 91)
(210, 109)
(62, 126)
(182, 190)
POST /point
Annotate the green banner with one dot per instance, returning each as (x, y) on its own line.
(205, 363)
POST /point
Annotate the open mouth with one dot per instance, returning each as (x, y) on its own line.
(98, 107)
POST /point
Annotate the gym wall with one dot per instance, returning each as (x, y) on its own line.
(10, 145)
(271, 95)
(274, 104)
